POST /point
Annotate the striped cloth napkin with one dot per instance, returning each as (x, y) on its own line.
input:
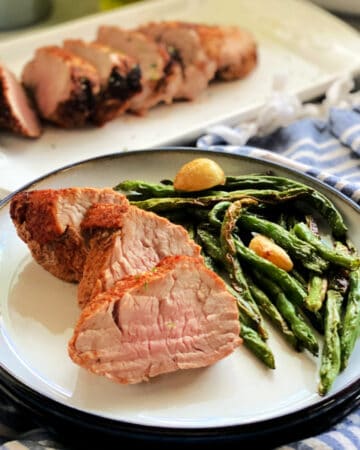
(322, 140)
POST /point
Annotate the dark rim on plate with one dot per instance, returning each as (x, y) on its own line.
(268, 433)
(288, 427)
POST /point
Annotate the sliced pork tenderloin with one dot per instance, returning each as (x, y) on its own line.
(48, 221)
(178, 316)
(129, 246)
(161, 74)
(64, 86)
(120, 77)
(16, 111)
(184, 42)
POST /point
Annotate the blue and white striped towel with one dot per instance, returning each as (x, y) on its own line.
(328, 149)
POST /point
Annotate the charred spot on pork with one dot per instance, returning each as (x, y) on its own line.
(122, 87)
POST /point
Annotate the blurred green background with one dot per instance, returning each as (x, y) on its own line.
(69, 9)
(65, 10)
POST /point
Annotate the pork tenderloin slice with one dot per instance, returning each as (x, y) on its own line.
(134, 246)
(184, 41)
(178, 316)
(232, 48)
(64, 86)
(161, 74)
(16, 112)
(49, 220)
(120, 77)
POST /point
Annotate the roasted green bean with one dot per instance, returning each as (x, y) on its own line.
(328, 253)
(331, 354)
(351, 322)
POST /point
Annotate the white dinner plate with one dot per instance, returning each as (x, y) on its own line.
(38, 313)
(296, 39)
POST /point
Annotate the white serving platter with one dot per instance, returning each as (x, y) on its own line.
(296, 39)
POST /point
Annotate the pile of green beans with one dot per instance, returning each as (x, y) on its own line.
(317, 301)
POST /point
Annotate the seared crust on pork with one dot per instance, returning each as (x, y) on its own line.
(177, 316)
(49, 220)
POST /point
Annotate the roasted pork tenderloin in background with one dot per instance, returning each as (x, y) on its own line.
(120, 77)
(185, 44)
(123, 244)
(48, 221)
(178, 316)
(206, 52)
(161, 74)
(63, 86)
(233, 49)
(16, 112)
